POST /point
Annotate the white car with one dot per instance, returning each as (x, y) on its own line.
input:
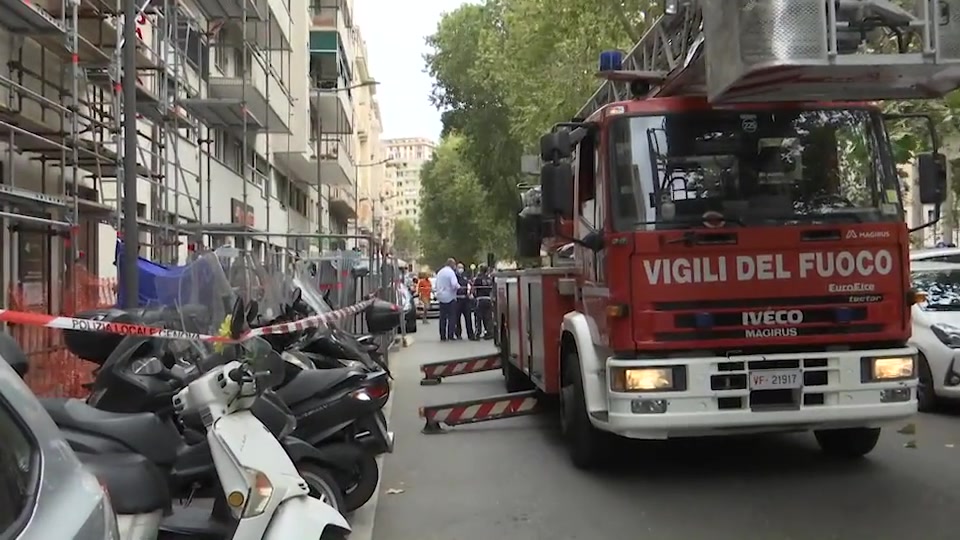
(947, 255)
(936, 331)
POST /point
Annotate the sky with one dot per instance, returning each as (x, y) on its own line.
(395, 32)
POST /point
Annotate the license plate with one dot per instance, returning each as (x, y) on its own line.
(776, 379)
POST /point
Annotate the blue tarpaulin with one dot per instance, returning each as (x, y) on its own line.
(154, 282)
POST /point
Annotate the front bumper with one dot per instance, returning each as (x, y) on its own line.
(717, 399)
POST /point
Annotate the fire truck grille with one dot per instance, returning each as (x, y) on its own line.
(769, 317)
(732, 377)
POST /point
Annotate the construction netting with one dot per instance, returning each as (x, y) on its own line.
(54, 372)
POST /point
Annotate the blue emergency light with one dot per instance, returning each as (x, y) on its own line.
(703, 320)
(611, 61)
(843, 315)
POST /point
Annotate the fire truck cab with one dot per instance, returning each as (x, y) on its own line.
(740, 260)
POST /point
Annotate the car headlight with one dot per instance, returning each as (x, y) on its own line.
(949, 335)
(888, 368)
(647, 379)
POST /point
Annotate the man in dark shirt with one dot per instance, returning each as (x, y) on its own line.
(483, 291)
(464, 305)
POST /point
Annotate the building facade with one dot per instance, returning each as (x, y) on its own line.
(247, 132)
(407, 155)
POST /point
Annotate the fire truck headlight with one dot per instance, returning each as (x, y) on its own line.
(644, 379)
(893, 368)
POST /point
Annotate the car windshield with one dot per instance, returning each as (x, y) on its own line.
(942, 288)
(764, 167)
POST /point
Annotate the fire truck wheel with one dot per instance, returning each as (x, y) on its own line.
(847, 443)
(588, 446)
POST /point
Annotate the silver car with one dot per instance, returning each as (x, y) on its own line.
(45, 493)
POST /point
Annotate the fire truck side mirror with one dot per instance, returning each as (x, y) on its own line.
(932, 178)
(556, 145)
(556, 188)
(529, 235)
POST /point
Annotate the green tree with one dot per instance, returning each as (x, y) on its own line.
(506, 70)
(406, 240)
(453, 212)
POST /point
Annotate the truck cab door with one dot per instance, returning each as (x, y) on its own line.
(591, 204)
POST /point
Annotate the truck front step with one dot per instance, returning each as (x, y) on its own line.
(479, 410)
(434, 372)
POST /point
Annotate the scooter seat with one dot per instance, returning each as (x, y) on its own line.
(308, 384)
(142, 433)
(135, 485)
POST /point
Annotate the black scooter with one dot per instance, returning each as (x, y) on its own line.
(337, 410)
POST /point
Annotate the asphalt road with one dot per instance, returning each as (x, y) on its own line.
(512, 479)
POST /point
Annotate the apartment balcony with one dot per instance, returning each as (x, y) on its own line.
(253, 13)
(331, 77)
(343, 204)
(238, 103)
(336, 167)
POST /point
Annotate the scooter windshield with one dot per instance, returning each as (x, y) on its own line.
(251, 281)
(202, 296)
(307, 284)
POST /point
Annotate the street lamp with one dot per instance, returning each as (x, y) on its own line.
(319, 126)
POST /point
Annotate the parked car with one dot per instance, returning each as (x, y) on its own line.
(45, 492)
(433, 312)
(947, 255)
(936, 331)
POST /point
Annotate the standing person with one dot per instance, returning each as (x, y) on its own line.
(483, 290)
(447, 285)
(464, 308)
(423, 290)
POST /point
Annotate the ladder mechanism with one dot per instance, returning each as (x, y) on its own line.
(754, 51)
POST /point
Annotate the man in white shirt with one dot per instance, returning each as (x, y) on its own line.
(446, 286)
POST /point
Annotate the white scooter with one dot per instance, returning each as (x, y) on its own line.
(263, 489)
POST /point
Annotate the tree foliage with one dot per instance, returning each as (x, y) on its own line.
(506, 70)
(455, 218)
(406, 240)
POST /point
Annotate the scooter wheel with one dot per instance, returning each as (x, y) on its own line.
(322, 485)
(360, 483)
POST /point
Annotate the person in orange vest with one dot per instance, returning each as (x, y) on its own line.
(423, 290)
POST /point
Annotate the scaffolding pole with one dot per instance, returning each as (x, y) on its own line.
(131, 227)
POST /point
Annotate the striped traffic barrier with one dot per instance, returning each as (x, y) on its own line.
(479, 410)
(434, 372)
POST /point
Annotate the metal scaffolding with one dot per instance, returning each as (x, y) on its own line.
(61, 106)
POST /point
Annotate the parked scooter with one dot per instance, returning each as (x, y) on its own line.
(262, 495)
(337, 410)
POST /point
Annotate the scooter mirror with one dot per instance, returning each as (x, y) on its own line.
(237, 319)
(297, 295)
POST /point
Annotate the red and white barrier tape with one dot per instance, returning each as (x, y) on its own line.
(126, 329)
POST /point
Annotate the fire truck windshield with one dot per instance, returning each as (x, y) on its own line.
(790, 166)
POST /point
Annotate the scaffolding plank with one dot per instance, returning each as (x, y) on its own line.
(222, 113)
(16, 195)
(24, 17)
(232, 9)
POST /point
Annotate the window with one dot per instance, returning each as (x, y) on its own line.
(19, 469)
(780, 167)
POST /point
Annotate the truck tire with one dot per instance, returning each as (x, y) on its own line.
(514, 379)
(850, 443)
(588, 446)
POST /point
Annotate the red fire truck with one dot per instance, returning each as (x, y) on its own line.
(740, 254)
